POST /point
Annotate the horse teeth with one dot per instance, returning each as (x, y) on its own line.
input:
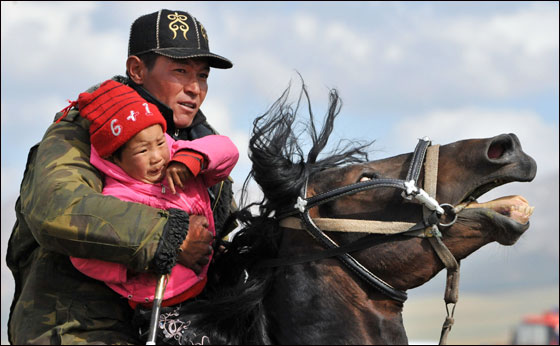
(520, 213)
(514, 207)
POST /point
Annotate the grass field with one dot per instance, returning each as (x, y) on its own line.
(479, 318)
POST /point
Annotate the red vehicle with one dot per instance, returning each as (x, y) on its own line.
(537, 329)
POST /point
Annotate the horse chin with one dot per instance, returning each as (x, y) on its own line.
(507, 218)
(507, 230)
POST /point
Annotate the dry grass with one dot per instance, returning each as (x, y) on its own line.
(479, 318)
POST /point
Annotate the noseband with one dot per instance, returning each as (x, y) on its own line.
(428, 227)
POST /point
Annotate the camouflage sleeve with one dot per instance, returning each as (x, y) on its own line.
(63, 205)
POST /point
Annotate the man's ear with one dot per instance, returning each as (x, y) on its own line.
(136, 69)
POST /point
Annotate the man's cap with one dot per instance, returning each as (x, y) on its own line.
(117, 113)
(174, 34)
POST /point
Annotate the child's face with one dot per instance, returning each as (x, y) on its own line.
(145, 156)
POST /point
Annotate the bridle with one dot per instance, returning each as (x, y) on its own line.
(429, 227)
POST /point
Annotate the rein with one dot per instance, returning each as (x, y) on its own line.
(428, 227)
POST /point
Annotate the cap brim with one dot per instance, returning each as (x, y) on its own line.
(214, 60)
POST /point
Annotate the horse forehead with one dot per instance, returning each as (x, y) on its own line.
(390, 167)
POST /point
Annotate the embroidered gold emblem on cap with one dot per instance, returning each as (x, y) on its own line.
(178, 23)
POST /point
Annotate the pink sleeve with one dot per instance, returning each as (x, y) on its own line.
(109, 272)
(219, 152)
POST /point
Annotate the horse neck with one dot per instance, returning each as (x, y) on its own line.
(320, 302)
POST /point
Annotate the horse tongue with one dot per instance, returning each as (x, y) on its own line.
(514, 207)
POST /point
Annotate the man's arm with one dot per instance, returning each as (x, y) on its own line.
(63, 205)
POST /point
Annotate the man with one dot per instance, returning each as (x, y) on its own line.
(61, 211)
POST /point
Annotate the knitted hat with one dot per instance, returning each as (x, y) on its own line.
(117, 113)
(175, 34)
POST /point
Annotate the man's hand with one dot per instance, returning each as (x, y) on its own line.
(177, 174)
(197, 247)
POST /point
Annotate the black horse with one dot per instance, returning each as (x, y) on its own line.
(290, 276)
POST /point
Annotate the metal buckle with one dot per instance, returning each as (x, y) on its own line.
(432, 231)
(449, 210)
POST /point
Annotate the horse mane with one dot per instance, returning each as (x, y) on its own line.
(232, 308)
(280, 167)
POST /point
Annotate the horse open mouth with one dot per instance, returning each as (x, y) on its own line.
(509, 215)
(514, 207)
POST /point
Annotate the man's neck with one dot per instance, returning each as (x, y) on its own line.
(168, 115)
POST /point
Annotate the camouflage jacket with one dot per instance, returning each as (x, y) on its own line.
(61, 212)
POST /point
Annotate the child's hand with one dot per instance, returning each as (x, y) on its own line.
(177, 174)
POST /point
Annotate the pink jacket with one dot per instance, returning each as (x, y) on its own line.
(220, 155)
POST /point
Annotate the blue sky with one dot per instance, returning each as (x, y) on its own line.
(450, 71)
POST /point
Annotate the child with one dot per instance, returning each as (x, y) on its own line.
(130, 147)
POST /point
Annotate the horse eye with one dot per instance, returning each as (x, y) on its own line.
(368, 176)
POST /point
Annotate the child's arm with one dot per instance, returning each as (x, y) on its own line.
(218, 155)
(184, 165)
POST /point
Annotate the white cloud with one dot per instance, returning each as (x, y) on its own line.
(35, 116)
(428, 59)
(278, 44)
(393, 53)
(305, 27)
(506, 53)
(264, 73)
(45, 39)
(534, 30)
(11, 179)
(346, 44)
(246, 27)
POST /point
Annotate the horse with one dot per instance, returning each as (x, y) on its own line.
(338, 240)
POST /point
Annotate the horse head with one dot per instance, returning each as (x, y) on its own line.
(324, 301)
(466, 170)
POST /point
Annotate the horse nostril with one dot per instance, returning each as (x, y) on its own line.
(499, 147)
(495, 151)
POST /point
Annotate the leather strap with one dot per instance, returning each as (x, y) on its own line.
(352, 264)
(354, 226)
(418, 159)
(431, 170)
(451, 295)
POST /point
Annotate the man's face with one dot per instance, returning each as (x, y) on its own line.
(180, 84)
